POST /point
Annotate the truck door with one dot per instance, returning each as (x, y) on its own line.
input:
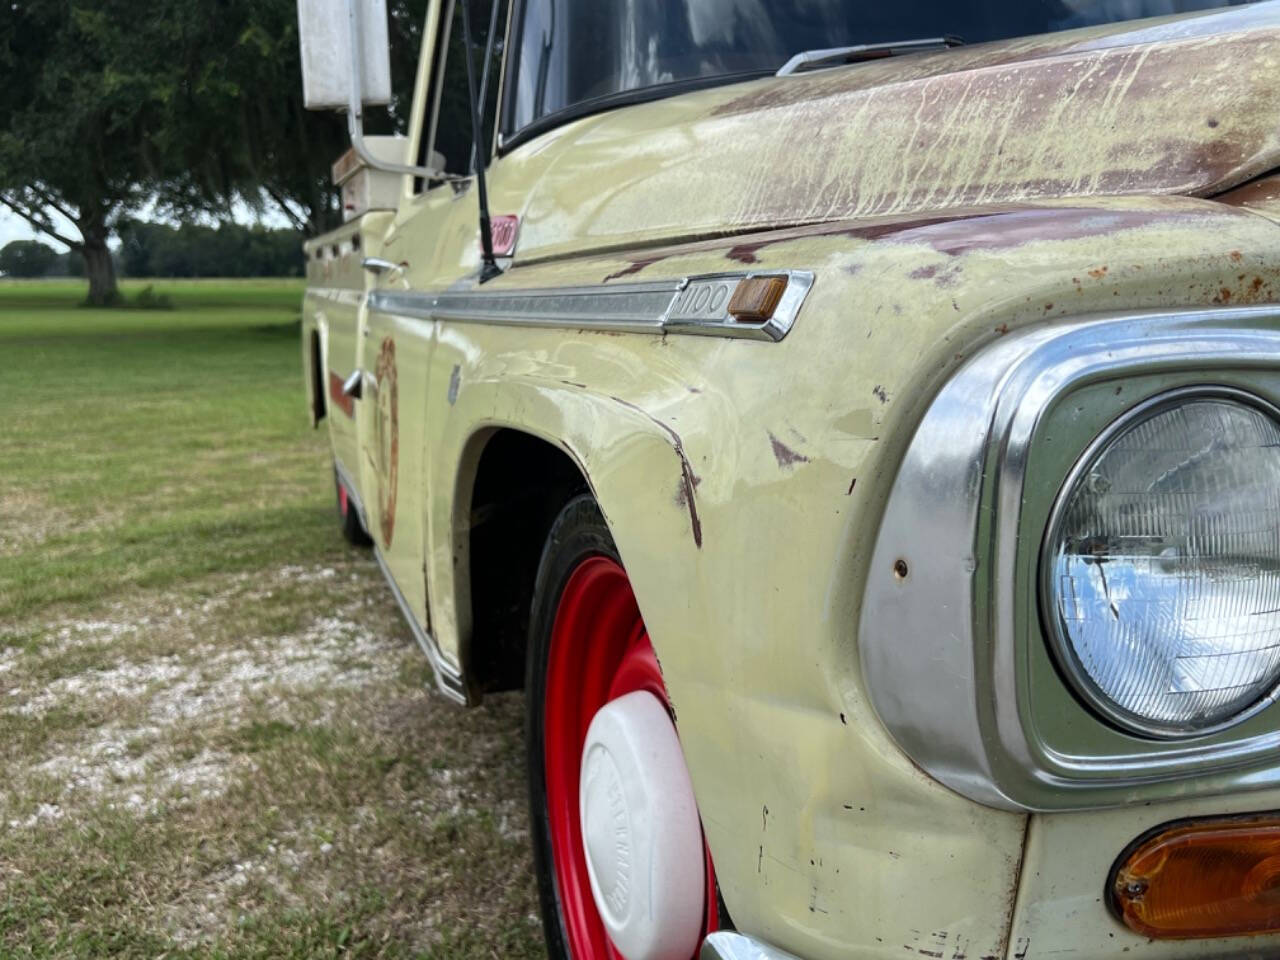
(392, 417)
(395, 451)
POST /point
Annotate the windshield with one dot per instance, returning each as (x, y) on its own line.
(569, 53)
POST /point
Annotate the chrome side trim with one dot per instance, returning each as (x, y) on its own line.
(950, 641)
(735, 946)
(448, 677)
(344, 295)
(693, 305)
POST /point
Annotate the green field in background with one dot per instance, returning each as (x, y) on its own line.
(150, 446)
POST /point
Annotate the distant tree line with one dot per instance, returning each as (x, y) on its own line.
(160, 250)
(192, 250)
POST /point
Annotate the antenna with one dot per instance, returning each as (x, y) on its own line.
(490, 269)
(484, 79)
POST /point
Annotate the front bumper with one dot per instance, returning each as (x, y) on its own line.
(736, 946)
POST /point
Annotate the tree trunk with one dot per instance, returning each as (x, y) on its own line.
(101, 272)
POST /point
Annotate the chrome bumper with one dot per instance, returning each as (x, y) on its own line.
(735, 946)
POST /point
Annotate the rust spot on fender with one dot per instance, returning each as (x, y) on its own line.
(635, 266)
(685, 490)
(387, 439)
(785, 456)
(688, 479)
(1246, 288)
(745, 252)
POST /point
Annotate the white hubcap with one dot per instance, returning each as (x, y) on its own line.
(641, 832)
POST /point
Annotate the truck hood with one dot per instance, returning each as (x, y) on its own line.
(1179, 106)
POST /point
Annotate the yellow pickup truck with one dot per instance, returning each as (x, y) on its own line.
(856, 427)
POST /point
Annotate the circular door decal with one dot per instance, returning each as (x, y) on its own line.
(387, 449)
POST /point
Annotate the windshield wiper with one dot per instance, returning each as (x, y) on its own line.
(865, 51)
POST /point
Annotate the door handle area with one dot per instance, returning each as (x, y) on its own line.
(379, 266)
(353, 386)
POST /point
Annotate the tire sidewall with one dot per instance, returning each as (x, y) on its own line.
(579, 532)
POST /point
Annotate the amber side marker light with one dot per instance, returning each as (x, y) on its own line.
(1199, 879)
(757, 298)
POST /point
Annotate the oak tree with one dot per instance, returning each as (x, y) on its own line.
(109, 106)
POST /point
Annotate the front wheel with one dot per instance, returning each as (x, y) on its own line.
(610, 800)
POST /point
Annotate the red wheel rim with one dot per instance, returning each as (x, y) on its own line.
(600, 651)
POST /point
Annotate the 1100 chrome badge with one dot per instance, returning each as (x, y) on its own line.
(705, 300)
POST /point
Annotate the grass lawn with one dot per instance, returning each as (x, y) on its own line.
(219, 739)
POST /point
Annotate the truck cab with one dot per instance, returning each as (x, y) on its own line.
(857, 431)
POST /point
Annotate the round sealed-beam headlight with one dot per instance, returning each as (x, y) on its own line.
(1160, 572)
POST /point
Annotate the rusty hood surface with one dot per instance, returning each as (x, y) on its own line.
(1181, 106)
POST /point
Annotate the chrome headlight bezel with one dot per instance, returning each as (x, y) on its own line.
(954, 656)
(1065, 655)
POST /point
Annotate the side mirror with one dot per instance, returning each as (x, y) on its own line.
(325, 30)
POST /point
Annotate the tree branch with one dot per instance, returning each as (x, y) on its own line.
(282, 203)
(50, 201)
(40, 225)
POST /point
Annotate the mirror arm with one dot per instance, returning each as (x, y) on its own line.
(355, 108)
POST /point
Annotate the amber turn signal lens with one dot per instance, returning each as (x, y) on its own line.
(1213, 878)
(756, 298)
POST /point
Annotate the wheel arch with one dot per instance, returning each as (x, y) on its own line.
(510, 486)
(537, 446)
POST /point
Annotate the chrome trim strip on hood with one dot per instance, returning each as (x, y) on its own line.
(693, 305)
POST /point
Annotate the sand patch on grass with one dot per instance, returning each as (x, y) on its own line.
(158, 706)
(28, 520)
